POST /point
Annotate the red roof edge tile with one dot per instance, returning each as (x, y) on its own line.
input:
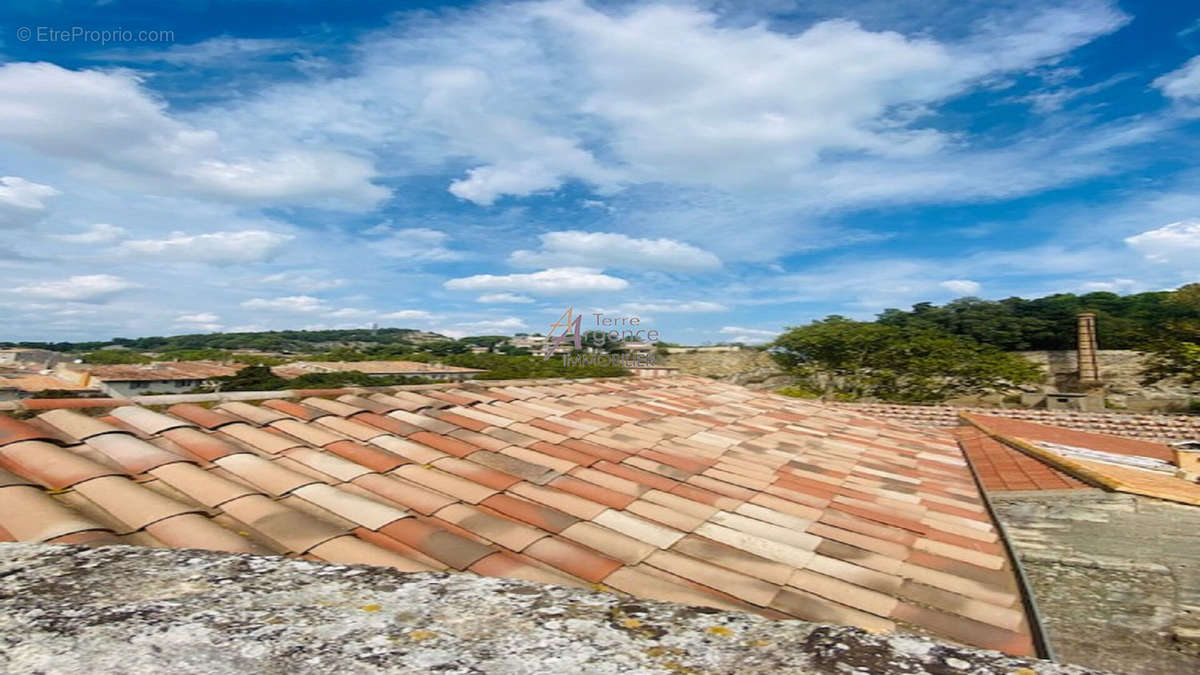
(73, 403)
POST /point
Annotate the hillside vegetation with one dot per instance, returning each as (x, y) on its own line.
(932, 353)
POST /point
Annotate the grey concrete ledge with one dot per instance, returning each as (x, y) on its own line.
(133, 610)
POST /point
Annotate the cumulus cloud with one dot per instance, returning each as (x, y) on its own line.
(121, 134)
(217, 248)
(82, 288)
(553, 281)
(678, 307)
(573, 248)
(290, 304)
(1114, 286)
(748, 335)
(302, 281)
(100, 233)
(22, 202)
(1182, 84)
(500, 298)
(961, 286)
(200, 321)
(1176, 243)
(406, 314)
(505, 324)
(417, 244)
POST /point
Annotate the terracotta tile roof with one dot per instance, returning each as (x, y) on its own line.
(1040, 432)
(1002, 468)
(35, 383)
(1150, 427)
(1117, 464)
(677, 488)
(166, 370)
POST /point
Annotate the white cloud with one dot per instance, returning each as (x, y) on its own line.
(22, 202)
(407, 314)
(99, 233)
(202, 317)
(84, 288)
(748, 335)
(1114, 286)
(1183, 83)
(202, 321)
(504, 298)
(573, 248)
(117, 132)
(217, 248)
(418, 244)
(1176, 243)
(678, 307)
(221, 51)
(961, 286)
(291, 304)
(302, 281)
(511, 323)
(554, 281)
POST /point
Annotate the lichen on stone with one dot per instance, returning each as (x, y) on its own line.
(133, 610)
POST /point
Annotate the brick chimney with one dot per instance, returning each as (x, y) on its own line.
(1089, 366)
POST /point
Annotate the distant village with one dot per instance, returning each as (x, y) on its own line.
(34, 372)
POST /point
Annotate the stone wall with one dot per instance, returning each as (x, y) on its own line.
(1121, 372)
(1116, 576)
(134, 610)
(751, 368)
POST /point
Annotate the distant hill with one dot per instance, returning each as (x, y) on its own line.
(272, 341)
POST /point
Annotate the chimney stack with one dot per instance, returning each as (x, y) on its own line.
(1089, 366)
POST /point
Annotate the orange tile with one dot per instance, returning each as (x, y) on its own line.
(404, 493)
(201, 445)
(450, 446)
(50, 465)
(435, 542)
(200, 415)
(351, 551)
(579, 507)
(368, 456)
(965, 630)
(541, 517)
(27, 514)
(810, 607)
(512, 566)
(446, 483)
(491, 526)
(388, 424)
(592, 492)
(572, 559)
(733, 558)
(192, 530)
(476, 473)
(738, 585)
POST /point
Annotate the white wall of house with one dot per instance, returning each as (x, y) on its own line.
(127, 388)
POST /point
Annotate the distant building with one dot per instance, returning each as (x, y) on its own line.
(534, 343)
(432, 371)
(167, 377)
(42, 358)
(30, 385)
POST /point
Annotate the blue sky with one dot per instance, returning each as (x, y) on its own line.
(719, 169)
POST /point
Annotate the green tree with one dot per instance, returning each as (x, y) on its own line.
(856, 359)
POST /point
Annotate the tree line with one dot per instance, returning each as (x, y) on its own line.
(933, 353)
